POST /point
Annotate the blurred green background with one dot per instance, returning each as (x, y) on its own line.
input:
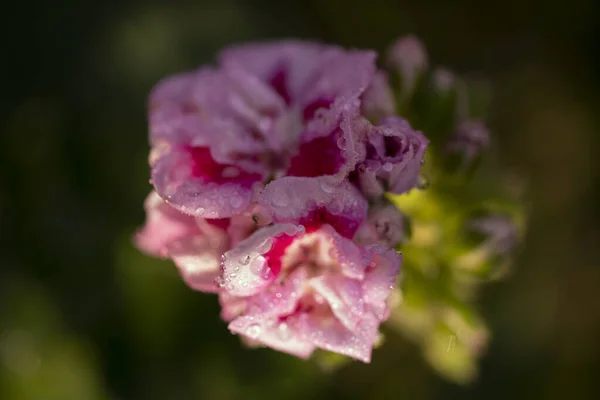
(83, 315)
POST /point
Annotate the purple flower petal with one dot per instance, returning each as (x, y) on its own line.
(286, 65)
(332, 143)
(394, 157)
(384, 226)
(311, 201)
(194, 183)
(342, 74)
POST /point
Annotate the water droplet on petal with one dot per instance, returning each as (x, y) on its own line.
(451, 343)
(423, 183)
(258, 265)
(327, 187)
(200, 211)
(266, 274)
(280, 200)
(253, 331)
(284, 332)
(236, 202)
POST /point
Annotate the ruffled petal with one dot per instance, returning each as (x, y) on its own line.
(279, 335)
(394, 155)
(311, 201)
(380, 279)
(344, 296)
(246, 269)
(266, 316)
(331, 335)
(194, 183)
(231, 306)
(352, 259)
(164, 225)
(333, 142)
(341, 74)
(286, 65)
(198, 259)
(385, 225)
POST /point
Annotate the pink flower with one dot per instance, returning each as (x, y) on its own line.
(271, 110)
(305, 285)
(305, 289)
(261, 168)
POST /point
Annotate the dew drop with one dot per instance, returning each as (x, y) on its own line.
(264, 246)
(283, 331)
(257, 265)
(451, 343)
(280, 200)
(253, 331)
(423, 183)
(236, 202)
(266, 274)
(327, 187)
(199, 211)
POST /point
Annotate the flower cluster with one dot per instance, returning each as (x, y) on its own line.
(269, 175)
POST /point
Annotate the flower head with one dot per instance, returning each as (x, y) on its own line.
(262, 169)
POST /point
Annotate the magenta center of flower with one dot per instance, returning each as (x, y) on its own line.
(321, 156)
(311, 108)
(311, 250)
(343, 225)
(275, 254)
(279, 83)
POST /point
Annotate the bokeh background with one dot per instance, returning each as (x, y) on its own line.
(83, 315)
